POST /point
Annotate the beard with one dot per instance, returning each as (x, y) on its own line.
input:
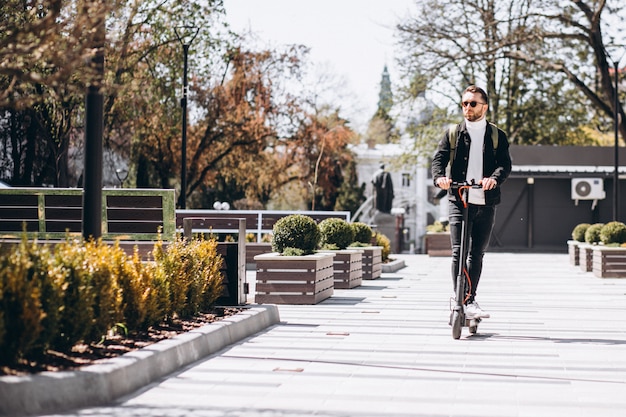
(473, 117)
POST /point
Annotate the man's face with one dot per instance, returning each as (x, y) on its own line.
(478, 111)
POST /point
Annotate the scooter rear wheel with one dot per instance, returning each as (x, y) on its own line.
(457, 324)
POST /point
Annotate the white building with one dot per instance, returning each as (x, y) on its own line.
(410, 186)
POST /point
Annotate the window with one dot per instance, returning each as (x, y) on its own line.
(406, 179)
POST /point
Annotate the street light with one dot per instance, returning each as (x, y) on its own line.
(616, 144)
(185, 35)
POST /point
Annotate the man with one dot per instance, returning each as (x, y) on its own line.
(480, 153)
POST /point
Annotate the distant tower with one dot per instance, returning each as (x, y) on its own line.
(385, 97)
(381, 128)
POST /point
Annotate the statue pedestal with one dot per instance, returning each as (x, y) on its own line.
(386, 224)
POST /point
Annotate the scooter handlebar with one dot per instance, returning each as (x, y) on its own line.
(468, 184)
(462, 188)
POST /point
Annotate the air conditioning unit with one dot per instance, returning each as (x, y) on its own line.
(588, 189)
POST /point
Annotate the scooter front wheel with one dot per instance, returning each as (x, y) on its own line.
(457, 324)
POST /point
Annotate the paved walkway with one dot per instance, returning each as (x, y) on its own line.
(555, 346)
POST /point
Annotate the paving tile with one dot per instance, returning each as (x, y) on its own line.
(554, 346)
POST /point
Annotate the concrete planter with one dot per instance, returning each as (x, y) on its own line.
(372, 262)
(305, 279)
(609, 262)
(347, 268)
(574, 252)
(438, 244)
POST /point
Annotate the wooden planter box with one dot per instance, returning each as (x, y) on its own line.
(305, 279)
(438, 244)
(372, 262)
(574, 252)
(609, 262)
(585, 256)
(347, 268)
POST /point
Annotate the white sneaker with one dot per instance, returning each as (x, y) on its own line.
(473, 311)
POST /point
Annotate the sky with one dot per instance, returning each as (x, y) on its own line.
(353, 39)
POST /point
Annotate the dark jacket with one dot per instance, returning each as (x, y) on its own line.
(496, 164)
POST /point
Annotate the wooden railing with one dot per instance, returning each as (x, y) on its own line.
(55, 213)
(258, 222)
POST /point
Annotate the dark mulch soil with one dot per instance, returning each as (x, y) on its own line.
(113, 345)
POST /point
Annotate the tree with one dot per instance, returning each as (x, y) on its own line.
(142, 112)
(574, 45)
(45, 43)
(245, 131)
(325, 139)
(251, 132)
(507, 46)
(349, 196)
(44, 48)
(43, 79)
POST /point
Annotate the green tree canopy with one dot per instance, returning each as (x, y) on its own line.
(543, 63)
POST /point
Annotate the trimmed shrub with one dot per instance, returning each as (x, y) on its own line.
(20, 304)
(592, 234)
(613, 232)
(137, 295)
(78, 296)
(336, 232)
(295, 231)
(76, 293)
(293, 252)
(438, 227)
(362, 233)
(578, 234)
(192, 270)
(382, 240)
(105, 265)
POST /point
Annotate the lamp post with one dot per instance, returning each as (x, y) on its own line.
(616, 144)
(185, 35)
(94, 128)
(616, 150)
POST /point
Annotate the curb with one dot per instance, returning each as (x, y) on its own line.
(393, 266)
(50, 392)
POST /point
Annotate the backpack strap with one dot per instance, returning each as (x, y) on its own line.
(494, 135)
(452, 136)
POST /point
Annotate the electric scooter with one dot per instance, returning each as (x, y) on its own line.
(458, 320)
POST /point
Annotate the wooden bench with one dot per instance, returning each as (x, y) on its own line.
(135, 217)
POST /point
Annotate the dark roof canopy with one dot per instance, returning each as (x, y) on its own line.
(566, 160)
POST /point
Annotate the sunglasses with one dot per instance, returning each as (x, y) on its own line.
(471, 103)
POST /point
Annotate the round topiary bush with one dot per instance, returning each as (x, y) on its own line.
(592, 235)
(362, 232)
(336, 233)
(578, 234)
(613, 232)
(295, 231)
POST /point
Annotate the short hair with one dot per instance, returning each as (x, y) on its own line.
(477, 90)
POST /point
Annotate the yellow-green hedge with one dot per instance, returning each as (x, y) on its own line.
(53, 298)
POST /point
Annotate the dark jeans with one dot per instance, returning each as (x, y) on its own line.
(480, 224)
